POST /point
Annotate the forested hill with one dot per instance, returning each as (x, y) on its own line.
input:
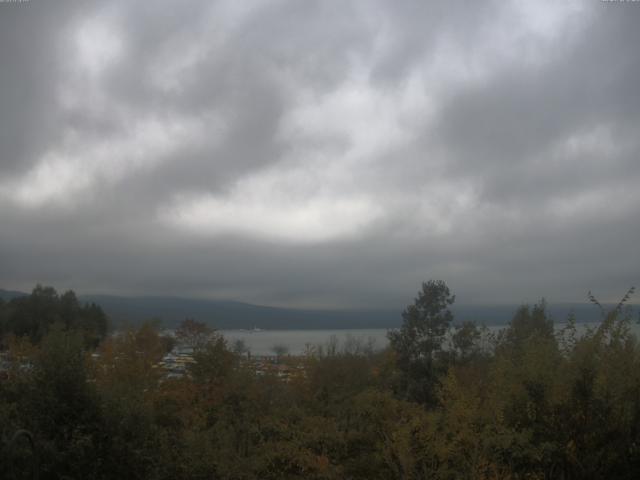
(232, 315)
(9, 294)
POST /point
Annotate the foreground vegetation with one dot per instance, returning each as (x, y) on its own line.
(441, 402)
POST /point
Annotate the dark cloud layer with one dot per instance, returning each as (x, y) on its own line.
(320, 153)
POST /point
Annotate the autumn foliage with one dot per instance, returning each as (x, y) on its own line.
(444, 401)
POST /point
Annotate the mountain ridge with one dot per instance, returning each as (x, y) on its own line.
(230, 314)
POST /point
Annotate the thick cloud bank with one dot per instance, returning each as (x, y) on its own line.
(321, 153)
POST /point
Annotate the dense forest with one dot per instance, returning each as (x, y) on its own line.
(443, 401)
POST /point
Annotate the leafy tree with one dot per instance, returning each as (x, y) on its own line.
(3, 318)
(60, 406)
(334, 378)
(127, 381)
(213, 363)
(193, 334)
(527, 323)
(418, 343)
(465, 341)
(33, 315)
(94, 324)
(280, 350)
(240, 347)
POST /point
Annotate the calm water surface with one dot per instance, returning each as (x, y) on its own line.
(296, 342)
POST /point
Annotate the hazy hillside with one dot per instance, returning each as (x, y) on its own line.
(9, 294)
(230, 315)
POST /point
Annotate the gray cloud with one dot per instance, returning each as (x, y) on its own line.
(320, 154)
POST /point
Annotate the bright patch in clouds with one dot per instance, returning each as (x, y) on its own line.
(597, 141)
(308, 221)
(98, 45)
(316, 193)
(274, 206)
(79, 164)
(371, 121)
(546, 18)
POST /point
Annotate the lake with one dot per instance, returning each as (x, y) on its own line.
(262, 342)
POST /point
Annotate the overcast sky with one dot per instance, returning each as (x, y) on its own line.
(321, 154)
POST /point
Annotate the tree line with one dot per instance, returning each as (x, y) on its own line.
(443, 401)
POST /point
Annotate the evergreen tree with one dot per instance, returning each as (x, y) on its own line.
(418, 343)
